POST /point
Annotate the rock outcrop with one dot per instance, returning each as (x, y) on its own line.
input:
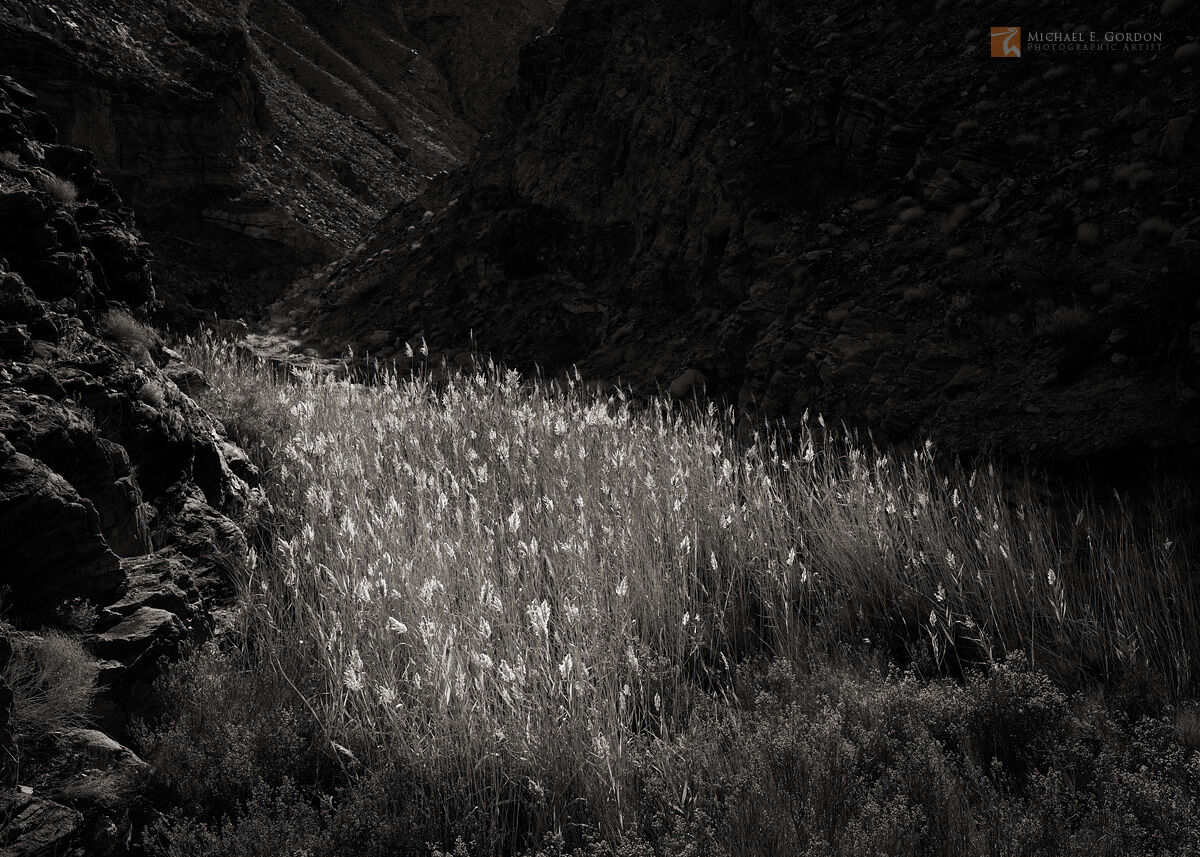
(116, 489)
(826, 207)
(257, 138)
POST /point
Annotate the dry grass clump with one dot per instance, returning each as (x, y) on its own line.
(62, 190)
(1135, 176)
(1087, 234)
(516, 589)
(248, 396)
(919, 293)
(134, 337)
(53, 683)
(1064, 322)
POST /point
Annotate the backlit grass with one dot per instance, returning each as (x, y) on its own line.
(515, 589)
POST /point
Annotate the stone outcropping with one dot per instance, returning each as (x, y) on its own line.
(116, 489)
(823, 207)
(255, 139)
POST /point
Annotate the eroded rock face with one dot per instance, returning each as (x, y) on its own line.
(95, 466)
(825, 208)
(53, 546)
(33, 826)
(116, 489)
(477, 45)
(99, 444)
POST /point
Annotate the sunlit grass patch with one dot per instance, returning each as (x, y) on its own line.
(516, 588)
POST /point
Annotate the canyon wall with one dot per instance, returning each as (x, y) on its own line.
(824, 207)
(257, 138)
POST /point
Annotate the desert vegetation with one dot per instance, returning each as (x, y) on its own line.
(61, 189)
(490, 616)
(53, 683)
(133, 337)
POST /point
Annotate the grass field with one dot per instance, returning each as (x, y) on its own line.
(533, 619)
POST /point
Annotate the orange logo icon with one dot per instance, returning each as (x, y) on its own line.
(1006, 42)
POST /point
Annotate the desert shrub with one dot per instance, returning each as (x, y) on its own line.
(78, 614)
(53, 682)
(275, 821)
(836, 763)
(1015, 718)
(63, 191)
(231, 730)
(1049, 275)
(840, 761)
(387, 814)
(961, 302)
(1151, 780)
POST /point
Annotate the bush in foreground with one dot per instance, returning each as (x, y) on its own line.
(829, 759)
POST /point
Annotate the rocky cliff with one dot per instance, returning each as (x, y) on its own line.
(117, 545)
(257, 137)
(842, 207)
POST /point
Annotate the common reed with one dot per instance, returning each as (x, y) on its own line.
(513, 585)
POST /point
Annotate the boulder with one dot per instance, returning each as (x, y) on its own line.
(688, 384)
(14, 340)
(126, 269)
(78, 165)
(96, 774)
(18, 303)
(967, 378)
(1175, 138)
(145, 629)
(162, 580)
(62, 275)
(187, 378)
(19, 209)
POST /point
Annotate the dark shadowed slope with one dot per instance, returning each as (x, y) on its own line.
(837, 206)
